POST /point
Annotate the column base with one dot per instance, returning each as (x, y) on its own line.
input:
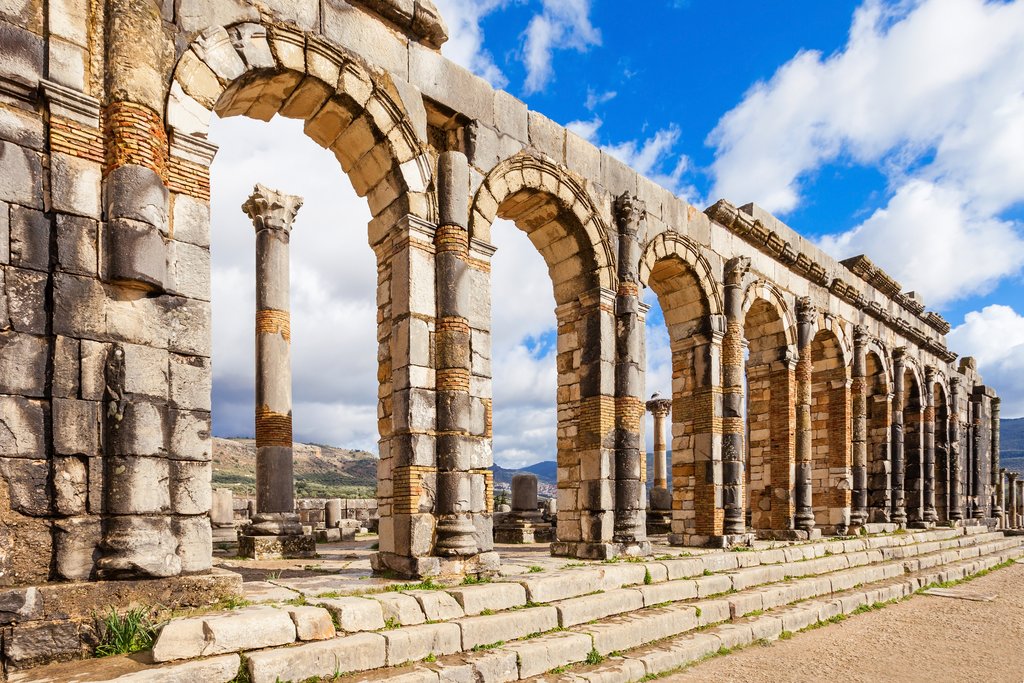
(588, 550)
(723, 541)
(481, 565)
(659, 522)
(524, 532)
(277, 547)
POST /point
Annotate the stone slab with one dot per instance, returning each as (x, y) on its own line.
(277, 547)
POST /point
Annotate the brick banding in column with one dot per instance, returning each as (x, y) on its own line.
(271, 321)
(273, 429)
(134, 134)
(70, 137)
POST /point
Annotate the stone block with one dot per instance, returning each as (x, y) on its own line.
(669, 591)
(22, 428)
(438, 605)
(624, 633)
(67, 63)
(77, 245)
(355, 614)
(222, 669)
(190, 436)
(189, 270)
(22, 128)
(587, 608)
(195, 15)
(191, 383)
(138, 485)
(141, 431)
(547, 137)
(312, 623)
(680, 652)
(22, 60)
(712, 611)
(417, 642)
(78, 307)
(23, 362)
(713, 585)
(136, 253)
(189, 324)
(249, 628)
(542, 654)
(496, 596)
(485, 630)
(277, 547)
(20, 604)
(75, 185)
(195, 542)
(26, 299)
(76, 427)
(559, 587)
(191, 220)
(366, 36)
(399, 609)
(37, 642)
(323, 659)
(190, 487)
(76, 545)
(30, 232)
(69, 19)
(511, 117)
(21, 174)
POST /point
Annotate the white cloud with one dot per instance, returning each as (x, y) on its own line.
(465, 44)
(562, 24)
(932, 92)
(596, 99)
(995, 337)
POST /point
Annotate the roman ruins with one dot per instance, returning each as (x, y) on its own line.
(809, 396)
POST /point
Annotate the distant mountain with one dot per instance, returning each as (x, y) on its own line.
(1011, 444)
(547, 472)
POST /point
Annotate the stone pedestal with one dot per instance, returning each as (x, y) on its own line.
(659, 508)
(332, 513)
(277, 547)
(222, 512)
(525, 524)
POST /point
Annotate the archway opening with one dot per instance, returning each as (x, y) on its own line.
(913, 447)
(830, 433)
(878, 439)
(943, 468)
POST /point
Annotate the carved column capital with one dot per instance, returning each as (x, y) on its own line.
(735, 270)
(270, 209)
(861, 336)
(806, 312)
(899, 355)
(659, 407)
(630, 211)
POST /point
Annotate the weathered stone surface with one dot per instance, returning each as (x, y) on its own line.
(137, 253)
(438, 605)
(493, 596)
(71, 485)
(590, 607)
(75, 185)
(312, 623)
(76, 427)
(76, 541)
(22, 60)
(416, 642)
(36, 642)
(191, 383)
(399, 609)
(355, 614)
(485, 630)
(249, 628)
(77, 246)
(323, 659)
(190, 487)
(20, 604)
(548, 652)
(30, 238)
(21, 175)
(27, 481)
(23, 360)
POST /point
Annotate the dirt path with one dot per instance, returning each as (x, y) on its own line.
(927, 638)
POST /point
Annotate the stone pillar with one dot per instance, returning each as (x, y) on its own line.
(806, 314)
(660, 408)
(630, 528)
(928, 397)
(899, 500)
(275, 529)
(1015, 500)
(956, 505)
(859, 516)
(997, 478)
(525, 523)
(222, 513)
(332, 513)
(733, 423)
(455, 530)
(977, 465)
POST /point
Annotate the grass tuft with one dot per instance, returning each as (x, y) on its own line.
(594, 657)
(126, 633)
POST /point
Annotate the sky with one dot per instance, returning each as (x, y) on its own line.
(894, 129)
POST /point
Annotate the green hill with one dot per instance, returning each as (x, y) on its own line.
(1011, 444)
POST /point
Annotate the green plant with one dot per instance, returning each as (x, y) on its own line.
(273, 576)
(535, 569)
(242, 675)
(754, 613)
(785, 635)
(489, 646)
(475, 580)
(594, 657)
(122, 634)
(430, 658)
(487, 612)
(647, 577)
(708, 572)
(425, 585)
(391, 623)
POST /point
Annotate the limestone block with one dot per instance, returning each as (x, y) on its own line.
(77, 239)
(21, 174)
(399, 609)
(669, 591)
(250, 40)
(23, 361)
(22, 60)
(26, 482)
(188, 323)
(547, 137)
(624, 633)
(498, 665)
(75, 185)
(303, 13)
(141, 431)
(66, 370)
(365, 35)
(186, 114)
(248, 628)
(547, 652)
(194, 15)
(190, 436)
(70, 485)
(222, 669)
(26, 299)
(22, 129)
(679, 652)
(22, 428)
(586, 608)
(78, 306)
(355, 614)
(136, 193)
(29, 238)
(146, 370)
(712, 611)
(191, 220)
(190, 383)
(69, 19)
(438, 605)
(76, 427)
(485, 630)
(416, 642)
(67, 63)
(136, 253)
(768, 628)
(312, 623)
(322, 659)
(26, 13)
(511, 117)
(20, 604)
(138, 485)
(190, 487)
(189, 270)
(582, 157)
(38, 642)
(76, 542)
(450, 84)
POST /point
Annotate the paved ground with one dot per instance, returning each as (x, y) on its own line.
(926, 638)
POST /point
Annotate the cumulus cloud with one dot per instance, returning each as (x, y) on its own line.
(561, 24)
(931, 91)
(995, 337)
(465, 44)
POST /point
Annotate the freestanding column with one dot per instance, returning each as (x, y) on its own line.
(733, 372)
(956, 506)
(272, 214)
(630, 518)
(1015, 500)
(455, 529)
(997, 478)
(660, 409)
(928, 475)
(859, 516)
(977, 465)
(806, 314)
(899, 499)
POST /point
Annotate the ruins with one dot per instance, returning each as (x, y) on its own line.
(809, 397)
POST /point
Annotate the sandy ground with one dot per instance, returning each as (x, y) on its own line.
(925, 638)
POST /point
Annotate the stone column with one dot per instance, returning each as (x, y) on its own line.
(733, 371)
(859, 515)
(630, 516)
(928, 397)
(455, 529)
(272, 214)
(525, 523)
(899, 499)
(332, 513)
(1015, 497)
(806, 314)
(956, 506)
(997, 478)
(977, 464)
(660, 408)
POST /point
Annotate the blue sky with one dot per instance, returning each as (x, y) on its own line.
(891, 128)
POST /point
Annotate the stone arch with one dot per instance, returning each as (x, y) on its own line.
(691, 303)
(769, 335)
(376, 128)
(565, 226)
(879, 432)
(831, 431)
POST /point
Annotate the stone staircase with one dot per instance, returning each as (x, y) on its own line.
(620, 621)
